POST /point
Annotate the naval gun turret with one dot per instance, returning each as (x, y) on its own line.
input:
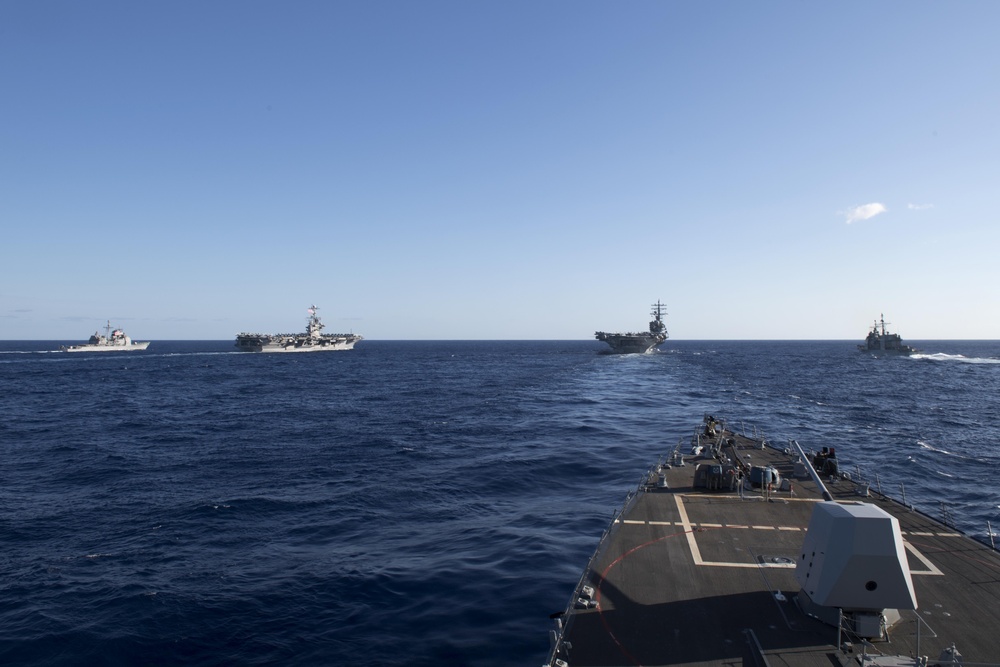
(853, 568)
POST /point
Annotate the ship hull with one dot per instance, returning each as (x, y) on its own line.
(622, 344)
(107, 348)
(902, 351)
(283, 345)
(886, 344)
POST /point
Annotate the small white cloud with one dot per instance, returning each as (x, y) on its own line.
(865, 211)
(919, 207)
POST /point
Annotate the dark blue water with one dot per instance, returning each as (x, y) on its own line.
(405, 503)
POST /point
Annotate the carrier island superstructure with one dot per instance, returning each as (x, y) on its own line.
(638, 343)
(310, 341)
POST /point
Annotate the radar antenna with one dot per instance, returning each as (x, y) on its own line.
(657, 325)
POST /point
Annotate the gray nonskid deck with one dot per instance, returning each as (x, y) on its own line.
(690, 577)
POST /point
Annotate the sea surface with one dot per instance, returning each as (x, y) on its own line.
(406, 503)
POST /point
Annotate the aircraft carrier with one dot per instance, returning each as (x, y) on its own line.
(733, 551)
(637, 343)
(311, 341)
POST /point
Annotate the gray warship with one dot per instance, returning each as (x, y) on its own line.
(109, 341)
(737, 552)
(880, 340)
(311, 341)
(637, 343)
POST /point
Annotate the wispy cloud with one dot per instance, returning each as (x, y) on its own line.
(919, 207)
(865, 212)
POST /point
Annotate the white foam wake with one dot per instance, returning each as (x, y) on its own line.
(941, 356)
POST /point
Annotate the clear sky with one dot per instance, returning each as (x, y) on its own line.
(499, 169)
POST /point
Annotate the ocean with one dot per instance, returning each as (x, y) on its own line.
(407, 503)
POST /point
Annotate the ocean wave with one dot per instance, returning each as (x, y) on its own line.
(390, 508)
(924, 445)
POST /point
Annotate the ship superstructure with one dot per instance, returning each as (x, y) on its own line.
(110, 341)
(311, 341)
(880, 340)
(638, 343)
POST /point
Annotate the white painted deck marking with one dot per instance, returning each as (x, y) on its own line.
(910, 532)
(689, 530)
(686, 524)
(931, 568)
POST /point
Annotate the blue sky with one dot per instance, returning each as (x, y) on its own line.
(499, 170)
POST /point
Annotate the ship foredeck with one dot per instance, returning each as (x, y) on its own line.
(692, 576)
